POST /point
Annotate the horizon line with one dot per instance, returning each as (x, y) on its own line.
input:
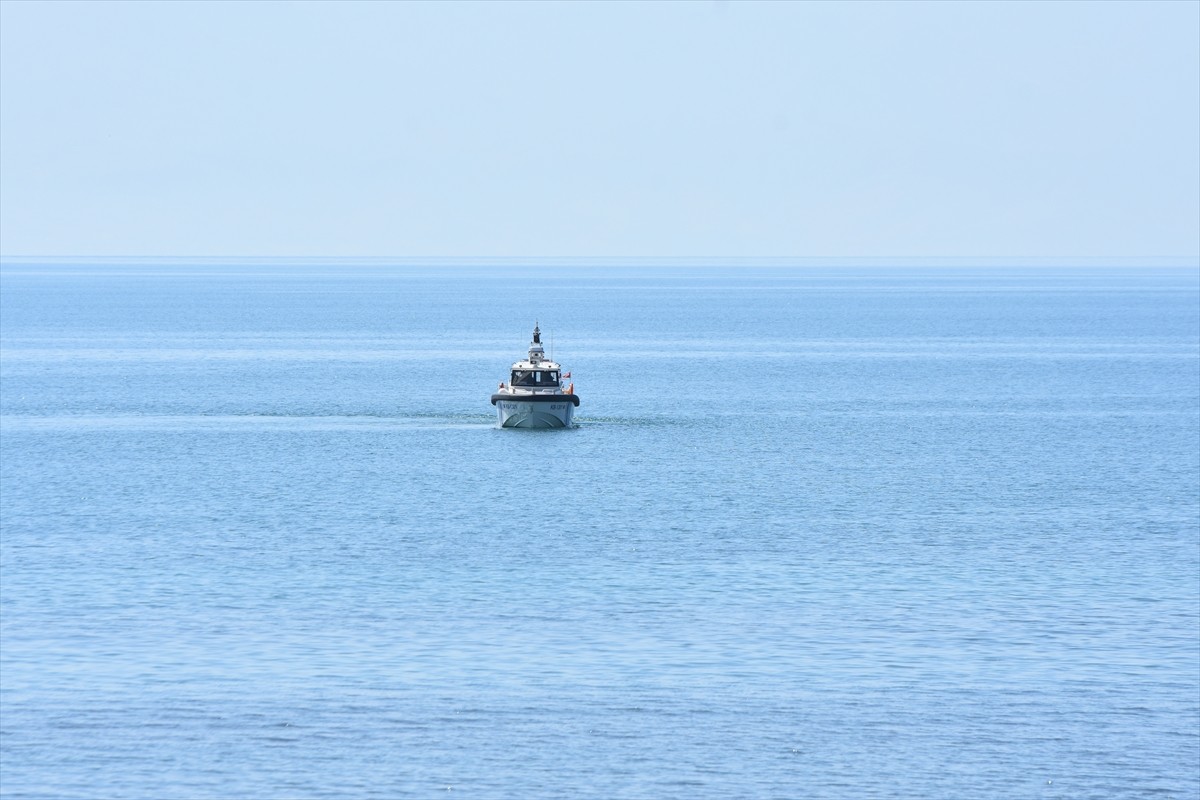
(693, 261)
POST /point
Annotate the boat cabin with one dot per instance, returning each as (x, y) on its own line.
(535, 378)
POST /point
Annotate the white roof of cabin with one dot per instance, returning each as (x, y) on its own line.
(543, 364)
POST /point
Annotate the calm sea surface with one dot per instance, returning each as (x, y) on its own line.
(818, 534)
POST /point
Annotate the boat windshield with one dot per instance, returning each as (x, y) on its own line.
(534, 377)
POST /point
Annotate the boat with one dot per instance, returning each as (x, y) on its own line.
(534, 396)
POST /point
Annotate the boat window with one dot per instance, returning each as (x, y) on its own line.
(529, 377)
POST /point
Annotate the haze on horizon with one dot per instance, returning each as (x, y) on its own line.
(728, 130)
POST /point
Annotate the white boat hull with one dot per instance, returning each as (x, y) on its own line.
(518, 414)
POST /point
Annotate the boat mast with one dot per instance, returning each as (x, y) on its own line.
(535, 348)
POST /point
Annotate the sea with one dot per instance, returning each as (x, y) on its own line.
(819, 532)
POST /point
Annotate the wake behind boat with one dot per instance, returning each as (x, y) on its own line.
(534, 396)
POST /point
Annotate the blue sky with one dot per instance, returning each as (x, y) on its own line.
(706, 129)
